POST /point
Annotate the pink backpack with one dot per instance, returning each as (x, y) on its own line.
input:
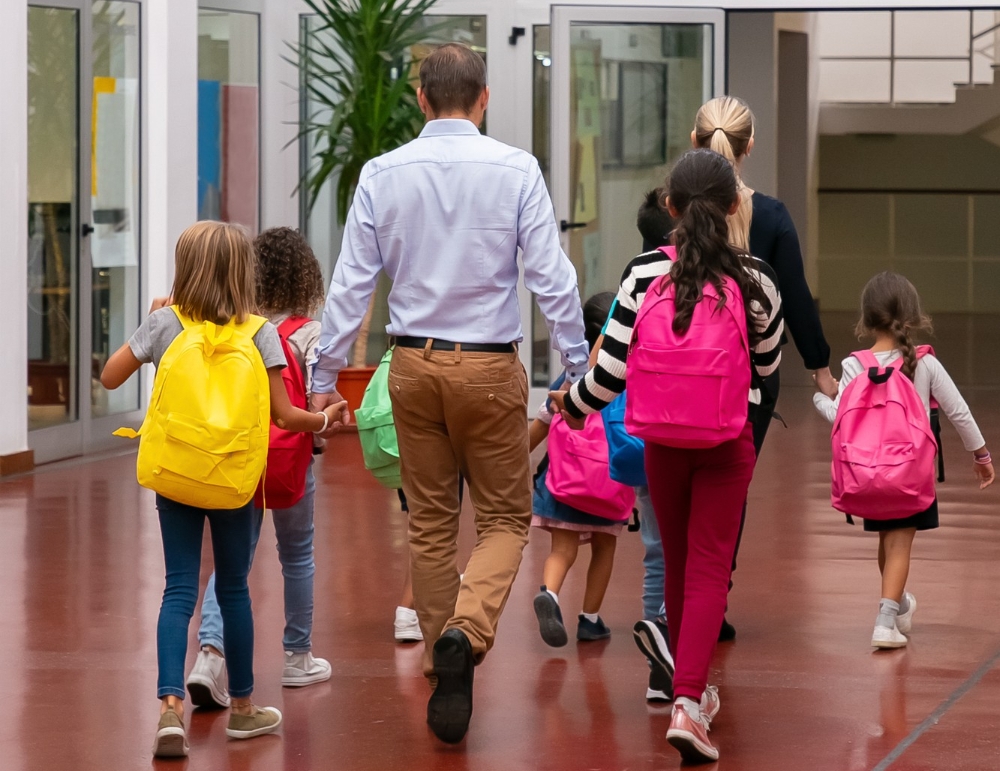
(689, 390)
(578, 472)
(883, 446)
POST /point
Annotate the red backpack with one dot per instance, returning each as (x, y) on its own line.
(288, 452)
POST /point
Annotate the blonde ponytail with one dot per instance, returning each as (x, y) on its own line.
(725, 125)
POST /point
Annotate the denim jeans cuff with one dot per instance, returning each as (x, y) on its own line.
(241, 694)
(215, 642)
(164, 692)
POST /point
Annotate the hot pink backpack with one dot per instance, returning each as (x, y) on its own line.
(883, 446)
(578, 472)
(689, 390)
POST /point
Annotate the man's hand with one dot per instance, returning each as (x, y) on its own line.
(342, 415)
(558, 407)
(334, 414)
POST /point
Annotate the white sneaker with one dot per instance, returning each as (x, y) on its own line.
(208, 682)
(302, 669)
(904, 621)
(888, 637)
(407, 626)
(710, 703)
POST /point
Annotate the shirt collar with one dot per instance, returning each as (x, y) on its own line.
(443, 127)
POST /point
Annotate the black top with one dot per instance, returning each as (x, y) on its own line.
(774, 240)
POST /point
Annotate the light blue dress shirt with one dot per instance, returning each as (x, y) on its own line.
(444, 216)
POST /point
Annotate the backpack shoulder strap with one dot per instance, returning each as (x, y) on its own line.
(186, 322)
(867, 359)
(925, 350)
(253, 324)
(669, 251)
(291, 325)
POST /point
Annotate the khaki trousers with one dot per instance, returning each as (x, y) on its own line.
(462, 413)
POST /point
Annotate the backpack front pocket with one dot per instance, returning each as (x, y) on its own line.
(204, 453)
(678, 386)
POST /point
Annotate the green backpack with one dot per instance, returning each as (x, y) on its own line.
(376, 429)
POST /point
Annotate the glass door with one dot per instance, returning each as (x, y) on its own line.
(626, 84)
(84, 241)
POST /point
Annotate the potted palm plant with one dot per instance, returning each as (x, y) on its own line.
(357, 69)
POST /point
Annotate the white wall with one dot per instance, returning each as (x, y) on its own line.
(14, 226)
(170, 150)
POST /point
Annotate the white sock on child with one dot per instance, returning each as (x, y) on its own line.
(887, 612)
(690, 706)
(553, 595)
(591, 617)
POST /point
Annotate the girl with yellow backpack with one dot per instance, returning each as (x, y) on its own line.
(203, 448)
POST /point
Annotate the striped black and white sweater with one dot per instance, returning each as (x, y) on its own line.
(607, 379)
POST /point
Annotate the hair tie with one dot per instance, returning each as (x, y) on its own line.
(719, 128)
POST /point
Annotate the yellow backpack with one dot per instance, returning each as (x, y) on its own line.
(204, 440)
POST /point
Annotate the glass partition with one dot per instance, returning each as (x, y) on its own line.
(114, 194)
(53, 216)
(229, 117)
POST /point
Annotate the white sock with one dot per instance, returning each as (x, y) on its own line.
(887, 612)
(553, 595)
(591, 617)
(407, 613)
(904, 605)
(690, 706)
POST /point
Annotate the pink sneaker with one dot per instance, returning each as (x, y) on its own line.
(710, 704)
(688, 734)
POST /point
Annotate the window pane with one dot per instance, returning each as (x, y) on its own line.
(855, 33)
(848, 81)
(114, 244)
(932, 33)
(53, 218)
(228, 117)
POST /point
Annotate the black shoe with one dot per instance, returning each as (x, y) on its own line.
(589, 631)
(450, 707)
(728, 632)
(651, 637)
(550, 620)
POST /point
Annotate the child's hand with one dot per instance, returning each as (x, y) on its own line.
(334, 414)
(985, 474)
(825, 383)
(160, 302)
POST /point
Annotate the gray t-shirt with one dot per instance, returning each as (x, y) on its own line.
(158, 331)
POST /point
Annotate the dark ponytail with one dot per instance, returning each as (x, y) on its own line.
(890, 304)
(703, 188)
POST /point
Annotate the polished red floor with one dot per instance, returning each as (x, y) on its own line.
(81, 571)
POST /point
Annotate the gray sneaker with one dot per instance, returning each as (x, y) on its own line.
(304, 669)
(208, 682)
(171, 739)
(263, 720)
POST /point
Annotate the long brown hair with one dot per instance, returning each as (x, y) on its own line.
(215, 273)
(702, 189)
(726, 125)
(890, 304)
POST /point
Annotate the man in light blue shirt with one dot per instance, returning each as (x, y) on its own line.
(444, 217)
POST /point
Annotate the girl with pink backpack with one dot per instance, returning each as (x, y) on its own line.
(693, 337)
(883, 446)
(576, 502)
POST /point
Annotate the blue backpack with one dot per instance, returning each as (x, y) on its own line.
(626, 453)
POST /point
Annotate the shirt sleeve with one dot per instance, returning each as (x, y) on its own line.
(269, 344)
(800, 308)
(141, 341)
(606, 380)
(353, 283)
(549, 274)
(766, 354)
(951, 403)
(850, 369)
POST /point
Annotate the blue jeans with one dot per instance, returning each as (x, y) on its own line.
(182, 528)
(652, 560)
(294, 528)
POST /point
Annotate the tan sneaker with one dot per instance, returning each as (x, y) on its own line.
(263, 720)
(688, 734)
(171, 739)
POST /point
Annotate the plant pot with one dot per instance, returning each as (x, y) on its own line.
(351, 384)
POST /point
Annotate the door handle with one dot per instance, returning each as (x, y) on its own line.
(564, 225)
(86, 229)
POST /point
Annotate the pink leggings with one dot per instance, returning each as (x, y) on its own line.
(698, 498)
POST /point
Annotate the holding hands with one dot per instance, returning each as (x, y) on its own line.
(334, 406)
(558, 407)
